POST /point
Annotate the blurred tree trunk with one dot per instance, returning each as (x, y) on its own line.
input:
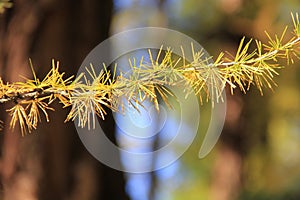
(237, 139)
(53, 164)
(244, 128)
(227, 169)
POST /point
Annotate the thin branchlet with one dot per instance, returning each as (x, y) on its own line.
(91, 93)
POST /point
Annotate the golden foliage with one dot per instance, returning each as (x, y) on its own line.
(90, 93)
(4, 4)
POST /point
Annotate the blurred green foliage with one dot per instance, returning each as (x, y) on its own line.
(265, 142)
(271, 124)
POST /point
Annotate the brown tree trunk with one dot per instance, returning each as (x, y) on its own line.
(238, 137)
(52, 164)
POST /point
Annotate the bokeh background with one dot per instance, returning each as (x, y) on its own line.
(257, 156)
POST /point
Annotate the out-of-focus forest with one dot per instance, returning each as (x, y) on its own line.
(257, 156)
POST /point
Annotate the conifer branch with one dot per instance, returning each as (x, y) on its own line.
(90, 93)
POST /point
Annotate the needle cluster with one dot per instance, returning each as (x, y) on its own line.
(4, 4)
(91, 93)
